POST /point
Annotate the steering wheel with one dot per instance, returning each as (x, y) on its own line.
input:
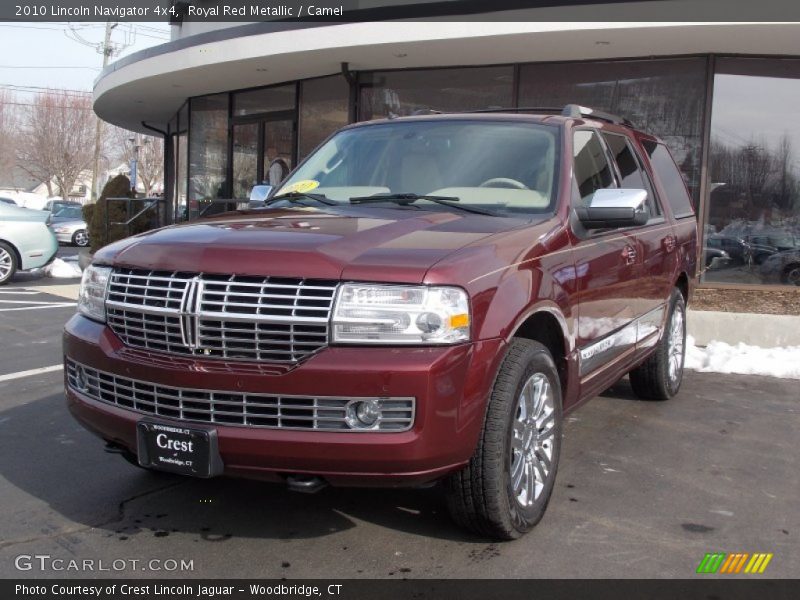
(504, 182)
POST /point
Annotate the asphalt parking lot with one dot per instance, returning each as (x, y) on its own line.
(644, 489)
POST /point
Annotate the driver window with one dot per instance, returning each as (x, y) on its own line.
(591, 169)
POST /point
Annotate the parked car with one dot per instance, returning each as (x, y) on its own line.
(422, 300)
(25, 241)
(73, 232)
(782, 267)
(739, 250)
(7, 201)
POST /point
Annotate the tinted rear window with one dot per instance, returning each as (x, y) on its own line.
(671, 179)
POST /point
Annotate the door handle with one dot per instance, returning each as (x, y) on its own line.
(629, 254)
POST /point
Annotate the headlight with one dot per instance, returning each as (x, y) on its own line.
(61, 229)
(399, 314)
(92, 295)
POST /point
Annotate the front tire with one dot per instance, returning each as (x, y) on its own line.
(660, 376)
(504, 490)
(80, 238)
(8, 263)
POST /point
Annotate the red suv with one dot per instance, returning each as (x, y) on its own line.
(423, 299)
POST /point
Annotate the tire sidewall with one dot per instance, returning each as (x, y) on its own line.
(538, 361)
(676, 303)
(14, 265)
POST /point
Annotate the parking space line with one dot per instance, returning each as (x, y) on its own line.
(29, 372)
(33, 302)
(54, 305)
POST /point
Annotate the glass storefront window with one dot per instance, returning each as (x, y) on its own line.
(752, 227)
(180, 156)
(664, 97)
(208, 150)
(264, 100)
(324, 107)
(385, 93)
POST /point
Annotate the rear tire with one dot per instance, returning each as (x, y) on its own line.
(504, 490)
(8, 263)
(660, 376)
(791, 275)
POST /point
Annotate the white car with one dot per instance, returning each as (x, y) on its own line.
(73, 232)
(25, 240)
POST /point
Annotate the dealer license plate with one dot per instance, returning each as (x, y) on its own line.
(178, 449)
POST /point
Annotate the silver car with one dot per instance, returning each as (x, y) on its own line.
(71, 232)
(25, 241)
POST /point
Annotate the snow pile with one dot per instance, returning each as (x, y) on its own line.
(719, 357)
(61, 269)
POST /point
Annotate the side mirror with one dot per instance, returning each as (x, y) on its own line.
(614, 208)
(259, 194)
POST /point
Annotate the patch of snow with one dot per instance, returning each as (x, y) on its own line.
(719, 357)
(61, 269)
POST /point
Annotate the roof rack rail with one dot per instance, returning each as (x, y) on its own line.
(540, 109)
(576, 111)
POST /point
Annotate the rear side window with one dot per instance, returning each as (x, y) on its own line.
(671, 179)
(630, 169)
(591, 168)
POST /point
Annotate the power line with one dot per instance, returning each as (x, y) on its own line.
(49, 105)
(47, 67)
(24, 88)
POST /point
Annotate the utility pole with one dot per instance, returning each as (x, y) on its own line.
(107, 50)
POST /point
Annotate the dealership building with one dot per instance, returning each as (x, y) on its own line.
(242, 103)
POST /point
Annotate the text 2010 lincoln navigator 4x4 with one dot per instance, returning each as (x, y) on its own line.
(423, 299)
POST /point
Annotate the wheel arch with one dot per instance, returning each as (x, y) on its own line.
(682, 283)
(546, 325)
(17, 255)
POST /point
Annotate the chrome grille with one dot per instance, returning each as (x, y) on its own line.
(274, 319)
(232, 408)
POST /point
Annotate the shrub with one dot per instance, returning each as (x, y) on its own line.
(95, 214)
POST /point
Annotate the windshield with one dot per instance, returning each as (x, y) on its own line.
(69, 212)
(502, 167)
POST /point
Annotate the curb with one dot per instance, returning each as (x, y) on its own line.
(766, 331)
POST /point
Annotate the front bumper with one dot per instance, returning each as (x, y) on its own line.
(450, 384)
(63, 238)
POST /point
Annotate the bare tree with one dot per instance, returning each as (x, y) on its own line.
(9, 121)
(122, 145)
(56, 140)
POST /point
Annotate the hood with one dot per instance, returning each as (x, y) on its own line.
(361, 243)
(77, 223)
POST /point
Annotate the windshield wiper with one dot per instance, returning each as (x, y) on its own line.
(408, 198)
(296, 196)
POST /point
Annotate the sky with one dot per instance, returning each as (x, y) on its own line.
(42, 55)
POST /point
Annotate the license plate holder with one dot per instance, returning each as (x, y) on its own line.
(175, 448)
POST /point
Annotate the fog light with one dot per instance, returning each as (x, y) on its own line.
(362, 414)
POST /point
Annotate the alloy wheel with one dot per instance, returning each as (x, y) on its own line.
(81, 238)
(675, 346)
(532, 440)
(6, 264)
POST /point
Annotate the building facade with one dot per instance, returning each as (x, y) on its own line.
(240, 104)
